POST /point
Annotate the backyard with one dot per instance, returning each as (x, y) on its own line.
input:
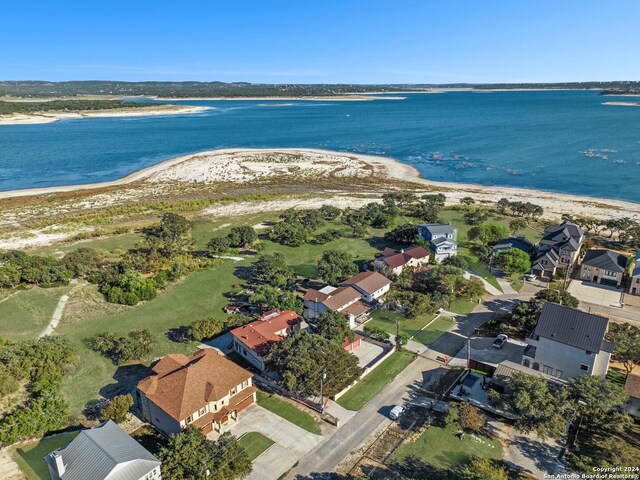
(368, 387)
(29, 456)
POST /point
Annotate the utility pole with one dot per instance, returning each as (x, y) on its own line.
(323, 377)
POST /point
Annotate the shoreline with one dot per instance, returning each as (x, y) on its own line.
(555, 204)
(347, 97)
(46, 117)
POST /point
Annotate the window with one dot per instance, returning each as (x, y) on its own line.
(189, 419)
(547, 370)
(584, 367)
(234, 390)
(558, 374)
(609, 274)
(245, 384)
(202, 411)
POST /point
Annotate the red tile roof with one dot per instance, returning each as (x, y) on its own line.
(186, 384)
(261, 334)
(395, 258)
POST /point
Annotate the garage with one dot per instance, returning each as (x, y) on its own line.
(244, 403)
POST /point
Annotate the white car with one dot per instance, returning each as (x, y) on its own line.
(440, 311)
(530, 278)
(396, 412)
(500, 341)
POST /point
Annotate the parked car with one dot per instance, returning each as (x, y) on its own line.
(530, 278)
(396, 412)
(500, 341)
(440, 311)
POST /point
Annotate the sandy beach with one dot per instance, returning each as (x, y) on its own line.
(338, 98)
(50, 117)
(246, 165)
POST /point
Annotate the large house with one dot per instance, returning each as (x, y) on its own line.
(254, 340)
(632, 387)
(634, 284)
(441, 237)
(352, 298)
(603, 266)
(103, 453)
(558, 249)
(397, 260)
(205, 390)
(567, 343)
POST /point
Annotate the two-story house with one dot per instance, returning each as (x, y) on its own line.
(103, 453)
(558, 249)
(634, 281)
(396, 260)
(604, 266)
(205, 390)
(254, 340)
(441, 237)
(353, 297)
(567, 343)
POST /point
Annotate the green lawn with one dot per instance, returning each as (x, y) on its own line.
(462, 306)
(434, 331)
(443, 449)
(386, 319)
(27, 312)
(289, 412)
(255, 444)
(116, 242)
(372, 384)
(29, 456)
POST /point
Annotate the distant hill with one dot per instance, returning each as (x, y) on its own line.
(43, 89)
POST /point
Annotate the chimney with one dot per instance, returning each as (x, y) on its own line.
(57, 458)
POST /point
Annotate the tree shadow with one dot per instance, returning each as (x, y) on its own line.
(127, 378)
(178, 334)
(242, 272)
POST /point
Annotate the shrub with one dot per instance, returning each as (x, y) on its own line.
(117, 408)
(205, 328)
(136, 345)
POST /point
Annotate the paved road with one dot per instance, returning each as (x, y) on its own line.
(632, 316)
(355, 432)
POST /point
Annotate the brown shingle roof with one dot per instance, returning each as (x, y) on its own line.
(341, 296)
(205, 377)
(632, 385)
(369, 282)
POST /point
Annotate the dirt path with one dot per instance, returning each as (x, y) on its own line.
(57, 314)
(9, 469)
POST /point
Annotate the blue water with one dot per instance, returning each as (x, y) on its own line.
(558, 141)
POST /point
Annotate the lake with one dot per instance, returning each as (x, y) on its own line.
(562, 141)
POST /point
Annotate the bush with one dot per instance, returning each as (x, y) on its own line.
(117, 408)
(136, 345)
(291, 234)
(376, 333)
(206, 328)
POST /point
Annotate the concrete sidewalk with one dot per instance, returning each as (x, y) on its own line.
(487, 286)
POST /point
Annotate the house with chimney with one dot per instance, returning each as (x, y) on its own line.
(354, 297)
(103, 453)
(206, 390)
(397, 260)
(254, 340)
(559, 249)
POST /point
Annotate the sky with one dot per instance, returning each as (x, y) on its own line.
(321, 41)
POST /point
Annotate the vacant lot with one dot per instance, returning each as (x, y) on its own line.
(372, 384)
(444, 449)
(386, 319)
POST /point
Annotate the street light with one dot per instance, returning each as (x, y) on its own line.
(323, 377)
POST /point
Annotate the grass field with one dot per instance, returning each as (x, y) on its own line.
(434, 331)
(255, 444)
(372, 384)
(462, 306)
(442, 448)
(29, 456)
(288, 412)
(24, 314)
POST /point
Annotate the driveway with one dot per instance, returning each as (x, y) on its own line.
(222, 343)
(595, 294)
(527, 452)
(368, 353)
(291, 442)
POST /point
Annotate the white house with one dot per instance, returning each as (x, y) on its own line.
(372, 285)
(567, 343)
(442, 238)
(103, 453)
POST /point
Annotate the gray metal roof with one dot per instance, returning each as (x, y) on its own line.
(606, 260)
(636, 269)
(572, 327)
(105, 453)
(435, 228)
(442, 240)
